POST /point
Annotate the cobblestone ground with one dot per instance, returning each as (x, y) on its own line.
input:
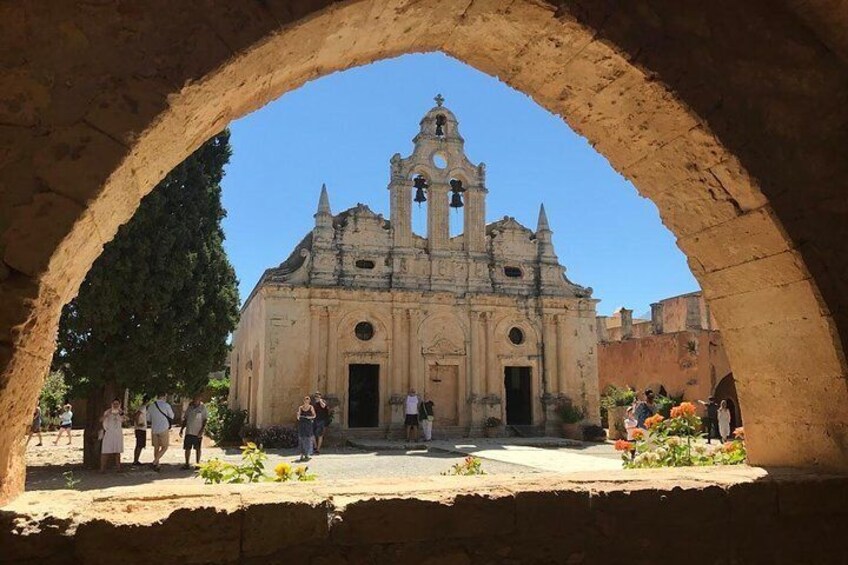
(47, 464)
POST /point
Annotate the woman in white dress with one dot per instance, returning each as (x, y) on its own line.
(723, 421)
(113, 436)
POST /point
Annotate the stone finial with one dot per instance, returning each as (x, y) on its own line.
(542, 224)
(324, 201)
(439, 100)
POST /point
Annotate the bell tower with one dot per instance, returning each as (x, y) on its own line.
(439, 175)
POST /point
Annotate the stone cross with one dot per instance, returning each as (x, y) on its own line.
(439, 100)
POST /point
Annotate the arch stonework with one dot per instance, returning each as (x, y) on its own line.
(730, 116)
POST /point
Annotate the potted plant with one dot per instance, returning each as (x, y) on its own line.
(571, 417)
(616, 401)
(493, 427)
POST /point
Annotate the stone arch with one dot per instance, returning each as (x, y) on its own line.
(741, 164)
(726, 390)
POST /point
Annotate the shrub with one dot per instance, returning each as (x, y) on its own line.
(666, 403)
(568, 413)
(225, 425)
(53, 394)
(668, 442)
(469, 466)
(276, 437)
(251, 469)
(219, 388)
(614, 396)
(284, 472)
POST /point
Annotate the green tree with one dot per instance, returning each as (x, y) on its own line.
(154, 313)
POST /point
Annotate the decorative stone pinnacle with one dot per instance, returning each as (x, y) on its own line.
(439, 100)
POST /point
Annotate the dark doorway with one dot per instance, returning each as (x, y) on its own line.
(519, 394)
(363, 395)
(726, 390)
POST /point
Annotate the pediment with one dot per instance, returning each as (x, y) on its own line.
(443, 346)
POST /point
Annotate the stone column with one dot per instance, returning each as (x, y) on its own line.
(475, 220)
(657, 318)
(438, 226)
(414, 351)
(476, 366)
(550, 383)
(601, 328)
(626, 323)
(317, 380)
(562, 356)
(401, 211)
(494, 382)
(334, 381)
(400, 366)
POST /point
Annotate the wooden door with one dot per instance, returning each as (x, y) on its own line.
(443, 389)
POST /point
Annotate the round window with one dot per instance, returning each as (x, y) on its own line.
(439, 161)
(364, 331)
(516, 336)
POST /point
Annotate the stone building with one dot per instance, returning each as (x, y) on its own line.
(677, 352)
(485, 322)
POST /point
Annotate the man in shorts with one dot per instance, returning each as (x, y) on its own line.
(411, 411)
(140, 424)
(160, 415)
(194, 424)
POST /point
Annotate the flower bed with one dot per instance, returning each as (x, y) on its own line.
(673, 442)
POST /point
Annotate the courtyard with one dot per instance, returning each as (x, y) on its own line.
(48, 465)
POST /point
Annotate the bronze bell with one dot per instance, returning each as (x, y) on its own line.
(456, 185)
(419, 195)
(456, 200)
(440, 125)
(420, 183)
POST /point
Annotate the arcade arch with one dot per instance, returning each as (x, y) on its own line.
(736, 137)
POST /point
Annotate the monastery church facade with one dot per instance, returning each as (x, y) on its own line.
(486, 322)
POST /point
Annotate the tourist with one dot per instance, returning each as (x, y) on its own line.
(631, 425)
(35, 428)
(140, 424)
(66, 420)
(425, 413)
(161, 418)
(305, 428)
(194, 424)
(113, 436)
(711, 418)
(723, 421)
(645, 409)
(411, 413)
(322, 419)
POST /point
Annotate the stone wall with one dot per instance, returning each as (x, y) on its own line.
(697, 516)
(309, 337)
(690, 363)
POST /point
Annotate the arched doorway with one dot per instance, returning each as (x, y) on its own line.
(726, 390)
(721, 150)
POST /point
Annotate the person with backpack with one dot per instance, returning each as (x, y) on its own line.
(161, 418)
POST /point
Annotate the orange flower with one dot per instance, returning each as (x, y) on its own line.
(739, 433)
(687, 408)
(653, 420)
(683, 410)
(623, 445)
(638, 434)
(728, 447)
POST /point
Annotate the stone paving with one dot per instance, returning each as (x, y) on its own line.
(365, 459)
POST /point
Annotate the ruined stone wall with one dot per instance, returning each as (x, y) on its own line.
(731, 516)
(689, 363)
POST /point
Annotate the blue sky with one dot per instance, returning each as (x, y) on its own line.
(342, 129)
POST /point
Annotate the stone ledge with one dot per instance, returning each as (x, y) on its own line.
(564, 518)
